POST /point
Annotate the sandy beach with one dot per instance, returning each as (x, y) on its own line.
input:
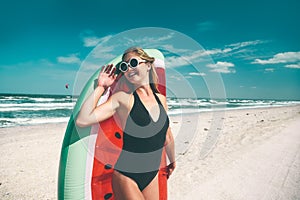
(232, 155)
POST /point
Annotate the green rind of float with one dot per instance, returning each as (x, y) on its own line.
(75, 161)
(71, 137)
(72, 168)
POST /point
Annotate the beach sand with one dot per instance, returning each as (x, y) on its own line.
(232, 155)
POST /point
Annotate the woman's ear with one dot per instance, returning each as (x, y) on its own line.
(149, 68)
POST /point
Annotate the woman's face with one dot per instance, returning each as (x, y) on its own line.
(138, 75)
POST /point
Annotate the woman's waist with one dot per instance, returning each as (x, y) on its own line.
(138, 162)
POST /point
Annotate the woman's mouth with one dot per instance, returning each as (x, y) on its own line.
(131, 74)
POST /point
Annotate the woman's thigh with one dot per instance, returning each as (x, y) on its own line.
(151, 192)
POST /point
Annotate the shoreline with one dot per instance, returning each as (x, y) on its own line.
(238, 146)
(234, 108)
(172, 114)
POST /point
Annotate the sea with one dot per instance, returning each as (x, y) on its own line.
(33, 109)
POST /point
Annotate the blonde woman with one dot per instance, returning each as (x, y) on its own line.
(144, 121)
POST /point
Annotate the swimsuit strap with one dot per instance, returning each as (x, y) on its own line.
(157, 98)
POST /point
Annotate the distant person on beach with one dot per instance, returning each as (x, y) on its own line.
(144, 121)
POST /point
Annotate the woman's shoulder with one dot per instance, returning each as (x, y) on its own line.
(161, 97)
(122, 96)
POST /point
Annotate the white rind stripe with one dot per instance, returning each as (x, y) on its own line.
(158, 63)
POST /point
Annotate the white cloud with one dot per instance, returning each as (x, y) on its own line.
(206, 26)
(286, 57)
(243, 50)
(187, 56)
(92, 41)
(71, 59)
(90, 66)
(197, 74)
(107, 52)
(294, 66)
(144, 41)
(177, 78)
(210, 52)
(172, 49)
(222, 67)
(191, 57)
(195, 56)
(104, 52)
(202, 53)
(269, 69)
(245, 44)
(174, 61)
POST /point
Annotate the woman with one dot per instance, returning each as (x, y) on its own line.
(144, 121)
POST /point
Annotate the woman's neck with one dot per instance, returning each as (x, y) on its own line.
(144, 90)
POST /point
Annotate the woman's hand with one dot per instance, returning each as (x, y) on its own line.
(107, 76)
(170, 168)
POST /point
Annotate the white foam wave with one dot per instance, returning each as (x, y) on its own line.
(31, 121)
(184, 111)
(195, 103)
(34, 109)
(49, 120)
(43, 99)
(35, 106)
(68, 104)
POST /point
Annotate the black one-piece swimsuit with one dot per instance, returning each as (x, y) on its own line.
(143, 141)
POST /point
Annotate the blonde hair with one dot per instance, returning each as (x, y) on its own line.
(153, 78)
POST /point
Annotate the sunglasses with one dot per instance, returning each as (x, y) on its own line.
(133, 63)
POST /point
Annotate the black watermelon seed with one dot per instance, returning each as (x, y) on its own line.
(108, 195)
(108, 166)
(118, 135)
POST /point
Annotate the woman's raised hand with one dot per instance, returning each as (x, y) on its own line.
(107, 76)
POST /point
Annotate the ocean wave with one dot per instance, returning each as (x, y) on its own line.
(9, 122)
(35, 108)
(68, 104)
(38, 109)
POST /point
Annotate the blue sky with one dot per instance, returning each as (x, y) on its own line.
(253, 46)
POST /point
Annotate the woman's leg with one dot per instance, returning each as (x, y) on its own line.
(151, 192)
(125, 188)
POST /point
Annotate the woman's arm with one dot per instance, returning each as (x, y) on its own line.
(169, 144)
(170, 150)
(89, 112)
